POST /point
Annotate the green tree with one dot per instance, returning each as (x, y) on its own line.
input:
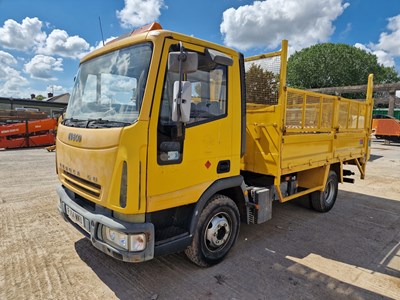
(40, 97)
(329, 65)
(261, 85)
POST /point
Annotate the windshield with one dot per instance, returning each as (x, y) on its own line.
(109, 89)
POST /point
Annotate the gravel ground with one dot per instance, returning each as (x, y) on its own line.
(352, 252)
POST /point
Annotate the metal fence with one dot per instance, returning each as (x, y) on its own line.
(301, 110)
(263, 78)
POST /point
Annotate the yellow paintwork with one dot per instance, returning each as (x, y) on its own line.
(273, 147)
(151, 187)
(184, 183)
(306, 131)
(98, 159)
(302, 146)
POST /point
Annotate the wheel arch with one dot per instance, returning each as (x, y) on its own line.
(236, 194)
(230, 187)
(338, 169)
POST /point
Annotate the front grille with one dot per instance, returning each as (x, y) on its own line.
(82, 185)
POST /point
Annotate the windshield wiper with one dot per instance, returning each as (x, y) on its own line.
(73, 122)
(104, 123)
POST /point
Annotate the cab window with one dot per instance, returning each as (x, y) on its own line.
(209, 103)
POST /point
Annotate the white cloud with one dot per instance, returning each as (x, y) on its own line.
(383, 57)
(13, 84)
(29, 36)
(60, 43)
(388, 46)
(11, 80)
(390, 41)
(362, 47)
(6, 59)
(4, 70)
(24, 36)
(14, 81)
(266, 23)
(139, 12)
(346, 31)
(58, 89)
(16, 86)
(100, 43)
(42, 67)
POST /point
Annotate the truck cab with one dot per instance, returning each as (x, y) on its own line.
(133, 163)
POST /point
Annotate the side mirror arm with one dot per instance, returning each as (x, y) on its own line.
(182, 58)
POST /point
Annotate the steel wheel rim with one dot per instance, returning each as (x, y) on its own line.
(217, 232)
(329, 192)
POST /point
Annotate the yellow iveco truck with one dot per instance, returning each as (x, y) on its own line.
(161, 151)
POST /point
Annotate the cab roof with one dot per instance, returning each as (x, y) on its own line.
(150, 32)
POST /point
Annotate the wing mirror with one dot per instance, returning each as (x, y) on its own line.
(182, 101)
(182, 62)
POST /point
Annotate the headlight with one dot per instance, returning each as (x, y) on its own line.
(116, 238)
(121, 240)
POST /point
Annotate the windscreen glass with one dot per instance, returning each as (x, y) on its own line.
(109, 89)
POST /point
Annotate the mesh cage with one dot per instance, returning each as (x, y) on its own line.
(262, 79)
(343, 114)
(309, 111)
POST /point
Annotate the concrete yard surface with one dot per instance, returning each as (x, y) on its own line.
(351, 252)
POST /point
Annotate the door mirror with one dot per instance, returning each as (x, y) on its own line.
(182, 101)
(188, 61)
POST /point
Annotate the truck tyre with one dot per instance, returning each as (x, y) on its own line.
(216, 232)
(323, 201)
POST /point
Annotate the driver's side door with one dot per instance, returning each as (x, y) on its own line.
(183, 163)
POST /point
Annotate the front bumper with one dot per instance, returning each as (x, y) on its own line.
(91, 226)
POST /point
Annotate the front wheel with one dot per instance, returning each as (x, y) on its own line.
(216, 233)
(323, 201)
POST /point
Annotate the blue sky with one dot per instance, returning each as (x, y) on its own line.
(41, 41)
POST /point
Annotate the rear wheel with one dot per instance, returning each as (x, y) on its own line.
(323, 201)
(216, 233)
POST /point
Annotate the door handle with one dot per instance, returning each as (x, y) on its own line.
(224, 166)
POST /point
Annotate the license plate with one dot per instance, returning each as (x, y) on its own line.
(75, 217)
